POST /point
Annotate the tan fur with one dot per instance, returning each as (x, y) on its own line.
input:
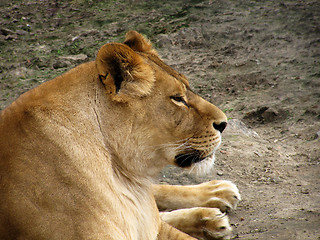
(201, 223)
(214, 194)
(77, 153)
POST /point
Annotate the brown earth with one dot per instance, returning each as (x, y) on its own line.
(259, 61)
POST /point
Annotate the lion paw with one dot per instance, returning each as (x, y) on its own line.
(201, 223)
(219, 194)
(215, 194)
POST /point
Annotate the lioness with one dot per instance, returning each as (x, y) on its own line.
(78, 153)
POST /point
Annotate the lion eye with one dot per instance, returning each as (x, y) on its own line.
(179, 99)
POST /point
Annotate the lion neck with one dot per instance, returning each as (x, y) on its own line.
(124, 140)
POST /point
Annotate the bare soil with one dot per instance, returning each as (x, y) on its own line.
(259, 61)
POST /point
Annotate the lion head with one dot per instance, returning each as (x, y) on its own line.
(157, 118)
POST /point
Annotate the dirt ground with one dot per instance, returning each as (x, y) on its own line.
(259, 61)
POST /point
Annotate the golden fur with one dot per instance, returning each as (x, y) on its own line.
(78, 153)
(214, 224)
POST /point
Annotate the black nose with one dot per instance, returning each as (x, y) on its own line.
(220, 127)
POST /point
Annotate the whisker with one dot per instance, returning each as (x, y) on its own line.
(187, 158)
(177, 145)
(184, 155)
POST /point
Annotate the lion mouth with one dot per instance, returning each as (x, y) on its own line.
(188, 159)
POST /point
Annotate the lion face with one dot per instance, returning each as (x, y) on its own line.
(166, 120)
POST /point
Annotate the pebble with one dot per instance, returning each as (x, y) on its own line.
(317, 134)
(219, 173)
(79, 57)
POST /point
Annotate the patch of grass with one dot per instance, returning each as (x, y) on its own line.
(227, 110)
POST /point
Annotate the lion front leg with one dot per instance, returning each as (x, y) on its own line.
(199, 207)
(201, 223)
(215, 194)
(168, 232)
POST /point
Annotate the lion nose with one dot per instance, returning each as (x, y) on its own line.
(220, 127)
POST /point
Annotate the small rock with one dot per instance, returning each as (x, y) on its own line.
(43, 48)
(60, 64)
(236, 126)
(75, 38)
(317, 135)
(223, 152)
(75, 58)
(219, 173)
(21, 32)
(275, 180)
(164, 41)
(257, 153)
(21, 72)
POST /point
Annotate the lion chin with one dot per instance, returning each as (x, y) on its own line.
(195, 164)
(205, 166)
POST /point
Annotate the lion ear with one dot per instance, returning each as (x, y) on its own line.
(123, 72)
(138, 43)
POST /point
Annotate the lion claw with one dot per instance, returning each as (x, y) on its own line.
(220, 194)
(199, 222)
